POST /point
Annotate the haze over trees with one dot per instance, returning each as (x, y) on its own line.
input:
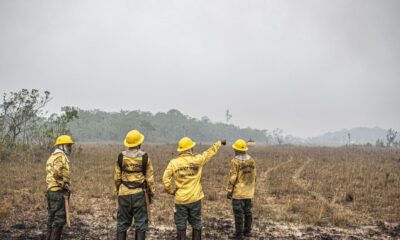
(97, 125)
(24, 126)
(391, 136)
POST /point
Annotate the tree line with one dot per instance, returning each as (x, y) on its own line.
(169, 127)
(24, 126)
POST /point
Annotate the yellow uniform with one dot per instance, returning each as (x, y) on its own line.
(57, 168)
(186, 171)
(242, 177)
(131, 180)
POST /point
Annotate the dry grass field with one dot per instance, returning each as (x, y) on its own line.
(302, 193)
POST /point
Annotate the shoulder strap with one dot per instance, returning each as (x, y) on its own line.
(145, 159)
(120, 159)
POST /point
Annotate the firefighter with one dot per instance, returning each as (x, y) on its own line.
(58, 186)
(134, 183)
(186, 171)
(241, 187)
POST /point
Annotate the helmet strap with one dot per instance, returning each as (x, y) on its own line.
(135, 148)
(189, 151)
(237, 152)
(67, 152)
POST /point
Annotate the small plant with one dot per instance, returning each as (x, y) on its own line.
(349, 198)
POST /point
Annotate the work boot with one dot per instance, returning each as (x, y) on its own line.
(236, 236)
(121, 235)
(196, 234)
(238, 228)
(248, 220)
(56, 233)
(140, 235)
(49, 231)
(181, 235)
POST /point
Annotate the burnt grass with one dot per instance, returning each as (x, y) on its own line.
(302, 193)
(214, 228)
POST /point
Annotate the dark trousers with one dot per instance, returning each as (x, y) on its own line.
(129, 207)
(242, 211)
(188, 212)
(56, 209)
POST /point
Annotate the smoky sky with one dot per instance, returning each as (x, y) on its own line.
(304, 66)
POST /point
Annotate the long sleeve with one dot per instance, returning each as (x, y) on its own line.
(61, 170)
(117, 176)
(209, 153)
(167, 179)
(233, 175)
(255, 172)
(150, 177)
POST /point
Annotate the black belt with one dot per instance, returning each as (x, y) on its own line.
(133, 185)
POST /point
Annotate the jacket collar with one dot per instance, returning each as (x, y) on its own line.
(57, 150)
(185, 154)
(134, 153)
(243, 156)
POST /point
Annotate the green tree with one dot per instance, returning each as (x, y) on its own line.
(23, 123)
(18, 109)
(278, 135)
(391, 136)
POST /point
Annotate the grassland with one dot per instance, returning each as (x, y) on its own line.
(302, 192)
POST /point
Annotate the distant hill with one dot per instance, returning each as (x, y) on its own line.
(169, 127)
(358, 135)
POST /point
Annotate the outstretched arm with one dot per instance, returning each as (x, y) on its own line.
(209, 153)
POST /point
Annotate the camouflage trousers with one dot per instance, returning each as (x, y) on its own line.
(242, 211)
(132, 207)
(56, 209)
(188, 212)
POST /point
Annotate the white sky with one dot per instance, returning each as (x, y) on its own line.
(304, 66)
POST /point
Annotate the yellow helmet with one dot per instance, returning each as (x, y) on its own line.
(240, 145)
(133, 138)
(185, 144)
(64, 139)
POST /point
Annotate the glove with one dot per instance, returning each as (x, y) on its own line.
(116, 193)
(151, 195)
(66, 187)
(229, 195)
(223, 142)
(117, 187)
(173, 193)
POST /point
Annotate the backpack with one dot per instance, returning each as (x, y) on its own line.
(133, 185)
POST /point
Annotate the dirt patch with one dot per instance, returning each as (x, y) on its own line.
(341, 194)
(214, 228)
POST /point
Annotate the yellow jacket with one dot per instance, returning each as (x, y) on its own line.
(132, 163)
(186, 171)
(57, 169)
(242, 177)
